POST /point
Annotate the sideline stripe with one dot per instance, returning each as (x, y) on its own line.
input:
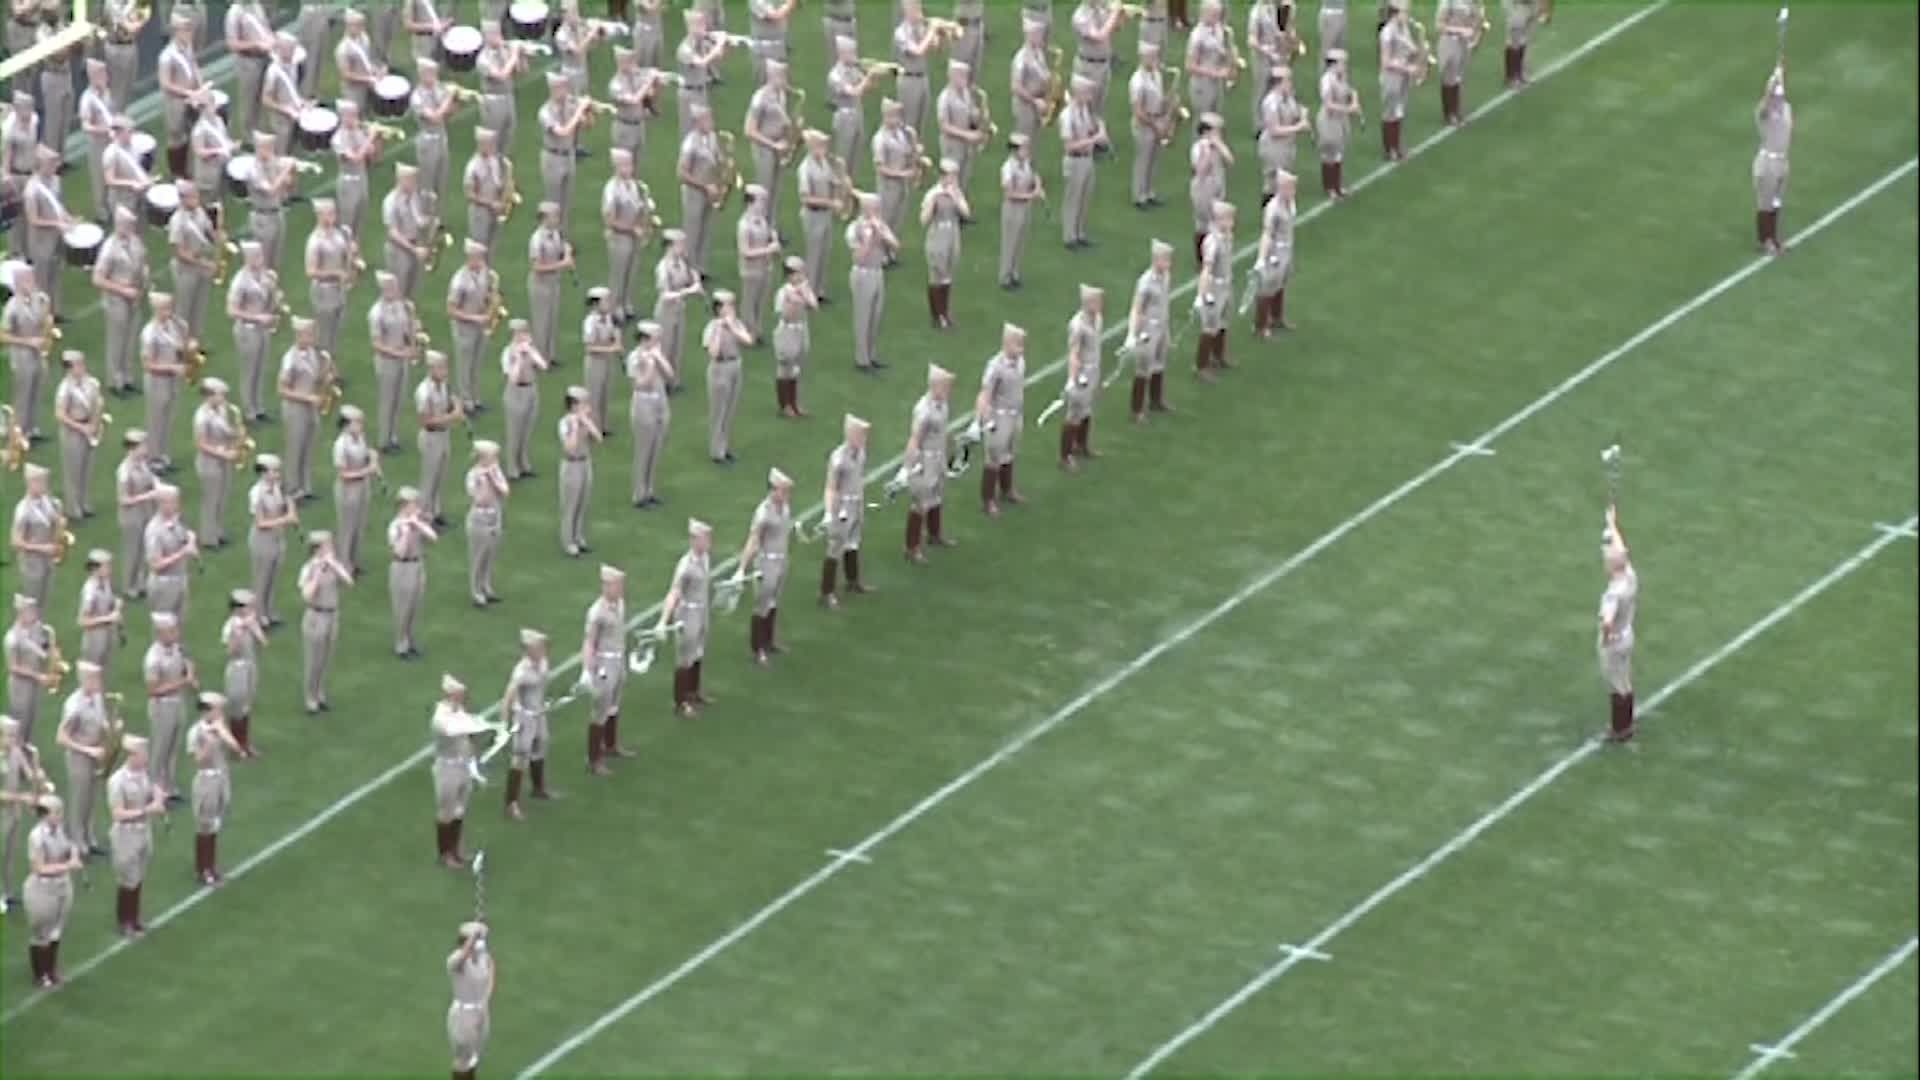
(1784, 1048)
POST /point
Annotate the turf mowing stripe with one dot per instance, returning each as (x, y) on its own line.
(1465, 451)
(358, 794)
(1513, 802)
(1767, 1055)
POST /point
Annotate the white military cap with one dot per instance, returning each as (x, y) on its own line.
(22, 602)
(347, 108)
(474, 247)
(9, 725)
(620, 154)
(318, 204)
(548, 207)
(87, 667)
(180, 20)
(948, 165)
(555, 78)
(599, 292)
(1212, 119)
(794, 264)
(698, 111)
(576, 393)
(755, 191)
(1009, 330)
(1028, 26)
(211, 699)
(485, 134)
(263, 137)
(673, 236)
(318, 537)
(46, 154)
(647, 328)
(73, 356)
(959, 67)
(426, 64)
(124, 216)
(354, 18)
(936, 373)
(519, 326)
(404, 170)
(1282, 176)
(435, 356)
(251, 247)
(284, 38)
(268, 461)
(485, 446)
(133, 744)
(407, 493)
(723, 296)
(352, 412)
(529, 638)
(696, 527)
(36, 472)
(868, 199)
(489, 26)
(1396, 5)
(164, 491)
(776, 478)
(611, 575)
(133, 437)
(118, 122)
(451, 685)
(52, 804)
(158, 298)
(1160, 249)
(1148, 48)
(843, 42)
(301, 322)
(1222, 208)
(1091, 292)
(241, 597)
(777, 67)
(1334, 56)
(22, 101)
(165, 620)
(621, 52)
(99, 555)
(213, 385)
(850, 422)
(1017, 139)
(815, 135)
(889, 105)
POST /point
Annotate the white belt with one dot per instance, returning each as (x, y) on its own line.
(469, 1005)
(1773, 153)
(210, 771)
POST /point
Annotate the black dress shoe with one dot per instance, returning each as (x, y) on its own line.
(440, 521)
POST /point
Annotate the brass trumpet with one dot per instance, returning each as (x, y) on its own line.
(461, 93)
(945, 27)
(384, 131)
(602, 107)
(872, 66)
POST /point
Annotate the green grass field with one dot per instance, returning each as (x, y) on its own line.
(1298, 666)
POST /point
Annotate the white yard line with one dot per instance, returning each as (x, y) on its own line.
(1113, 334)
(1465, 451)
(1492, 817)
(1765, 1056)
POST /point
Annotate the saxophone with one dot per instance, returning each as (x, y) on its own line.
(1424, 59)
(845, 200)
(496, 302)
(57, 665)
(1056, 88)
(13, 441)
(730, 181)
(798, 147)
(63, 541)
(984, 107)
(247, 447)
(1177, 111)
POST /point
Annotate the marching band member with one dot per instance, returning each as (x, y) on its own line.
(769, 534)
(845, 503)
(674, 280)
(242, 636)
(486, 183)
(756, 244)
(27, 644)
(648, 411)
(840, 19)
(871, 244)
(501, 62)
(407, 536)
(601, 340)
(521, 362)
(689, 601)
(23, 327)
(1339, 108)
(354, 59)
(251, 297)
(392, 331)
(815, 178)
(1020, 188)
(971, 46)
(250, 40)
(1457, 22)
(355, 465)
(524, 707)
(624, 212)
(697, 55)
(470, 303)
(47, 221)
(19, 142)
(209, 147)
(791, 337)
(1773, 116)
(320, 579)
(182, 90)
(280, 101)
(267, 191)
(1209, 60)
(942, 209)
(126, 179)
(1030, 77)
(329, 255)
(723, 339)
(303, 390)
(169, 544)
(453, 731)
(424, 24)
(313, 26)
(79, 409)
(19, 787)
(437, 408)
(101, 614)
(578, 433)
(767, 21)
(163, 347)
(1273, 264)
(1084, 331)
(209, 741)
(168, 673)
(1617, 606)
(216, 447)
(1282, 119)
(487, 490)
(913, 39)
(924, 462)
(132, 800)
(95, 112)
(135, 492)
(548, 253)
(631, 91)
(701, 191)
(771, 131)
(408, 223)
(1208, 160)
(52, 859)
(1267, 52)
(1213, 293)
(381, 28)
(1094, 23)
(649, 37)
(1333, 27)
(1399, 64)
(1153, 120)
(571, 41)
(848, 81)
(998, 410)
(896, 149)
(963, 128)
(1082, 133)
(196, 256)
(85, 727)
(273, 514)
(1523, 18)
(430, 105)
(1153, 25)
(603, 668)
(471, 972)
(120, 274)
(561, 119)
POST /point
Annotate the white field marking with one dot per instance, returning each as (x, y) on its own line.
(847, 856)
(1301, 952)
(1906, 530)
(1784, 1048)
(1513, 802)
(1472, 449)
(357, 795)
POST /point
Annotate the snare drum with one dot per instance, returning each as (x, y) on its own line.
(240, 175)
(83, 244)
(460, 48)
(145, 147)
(316, 128)
(390, 96)
(7, 270)
(162, 201)
(529, 20)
